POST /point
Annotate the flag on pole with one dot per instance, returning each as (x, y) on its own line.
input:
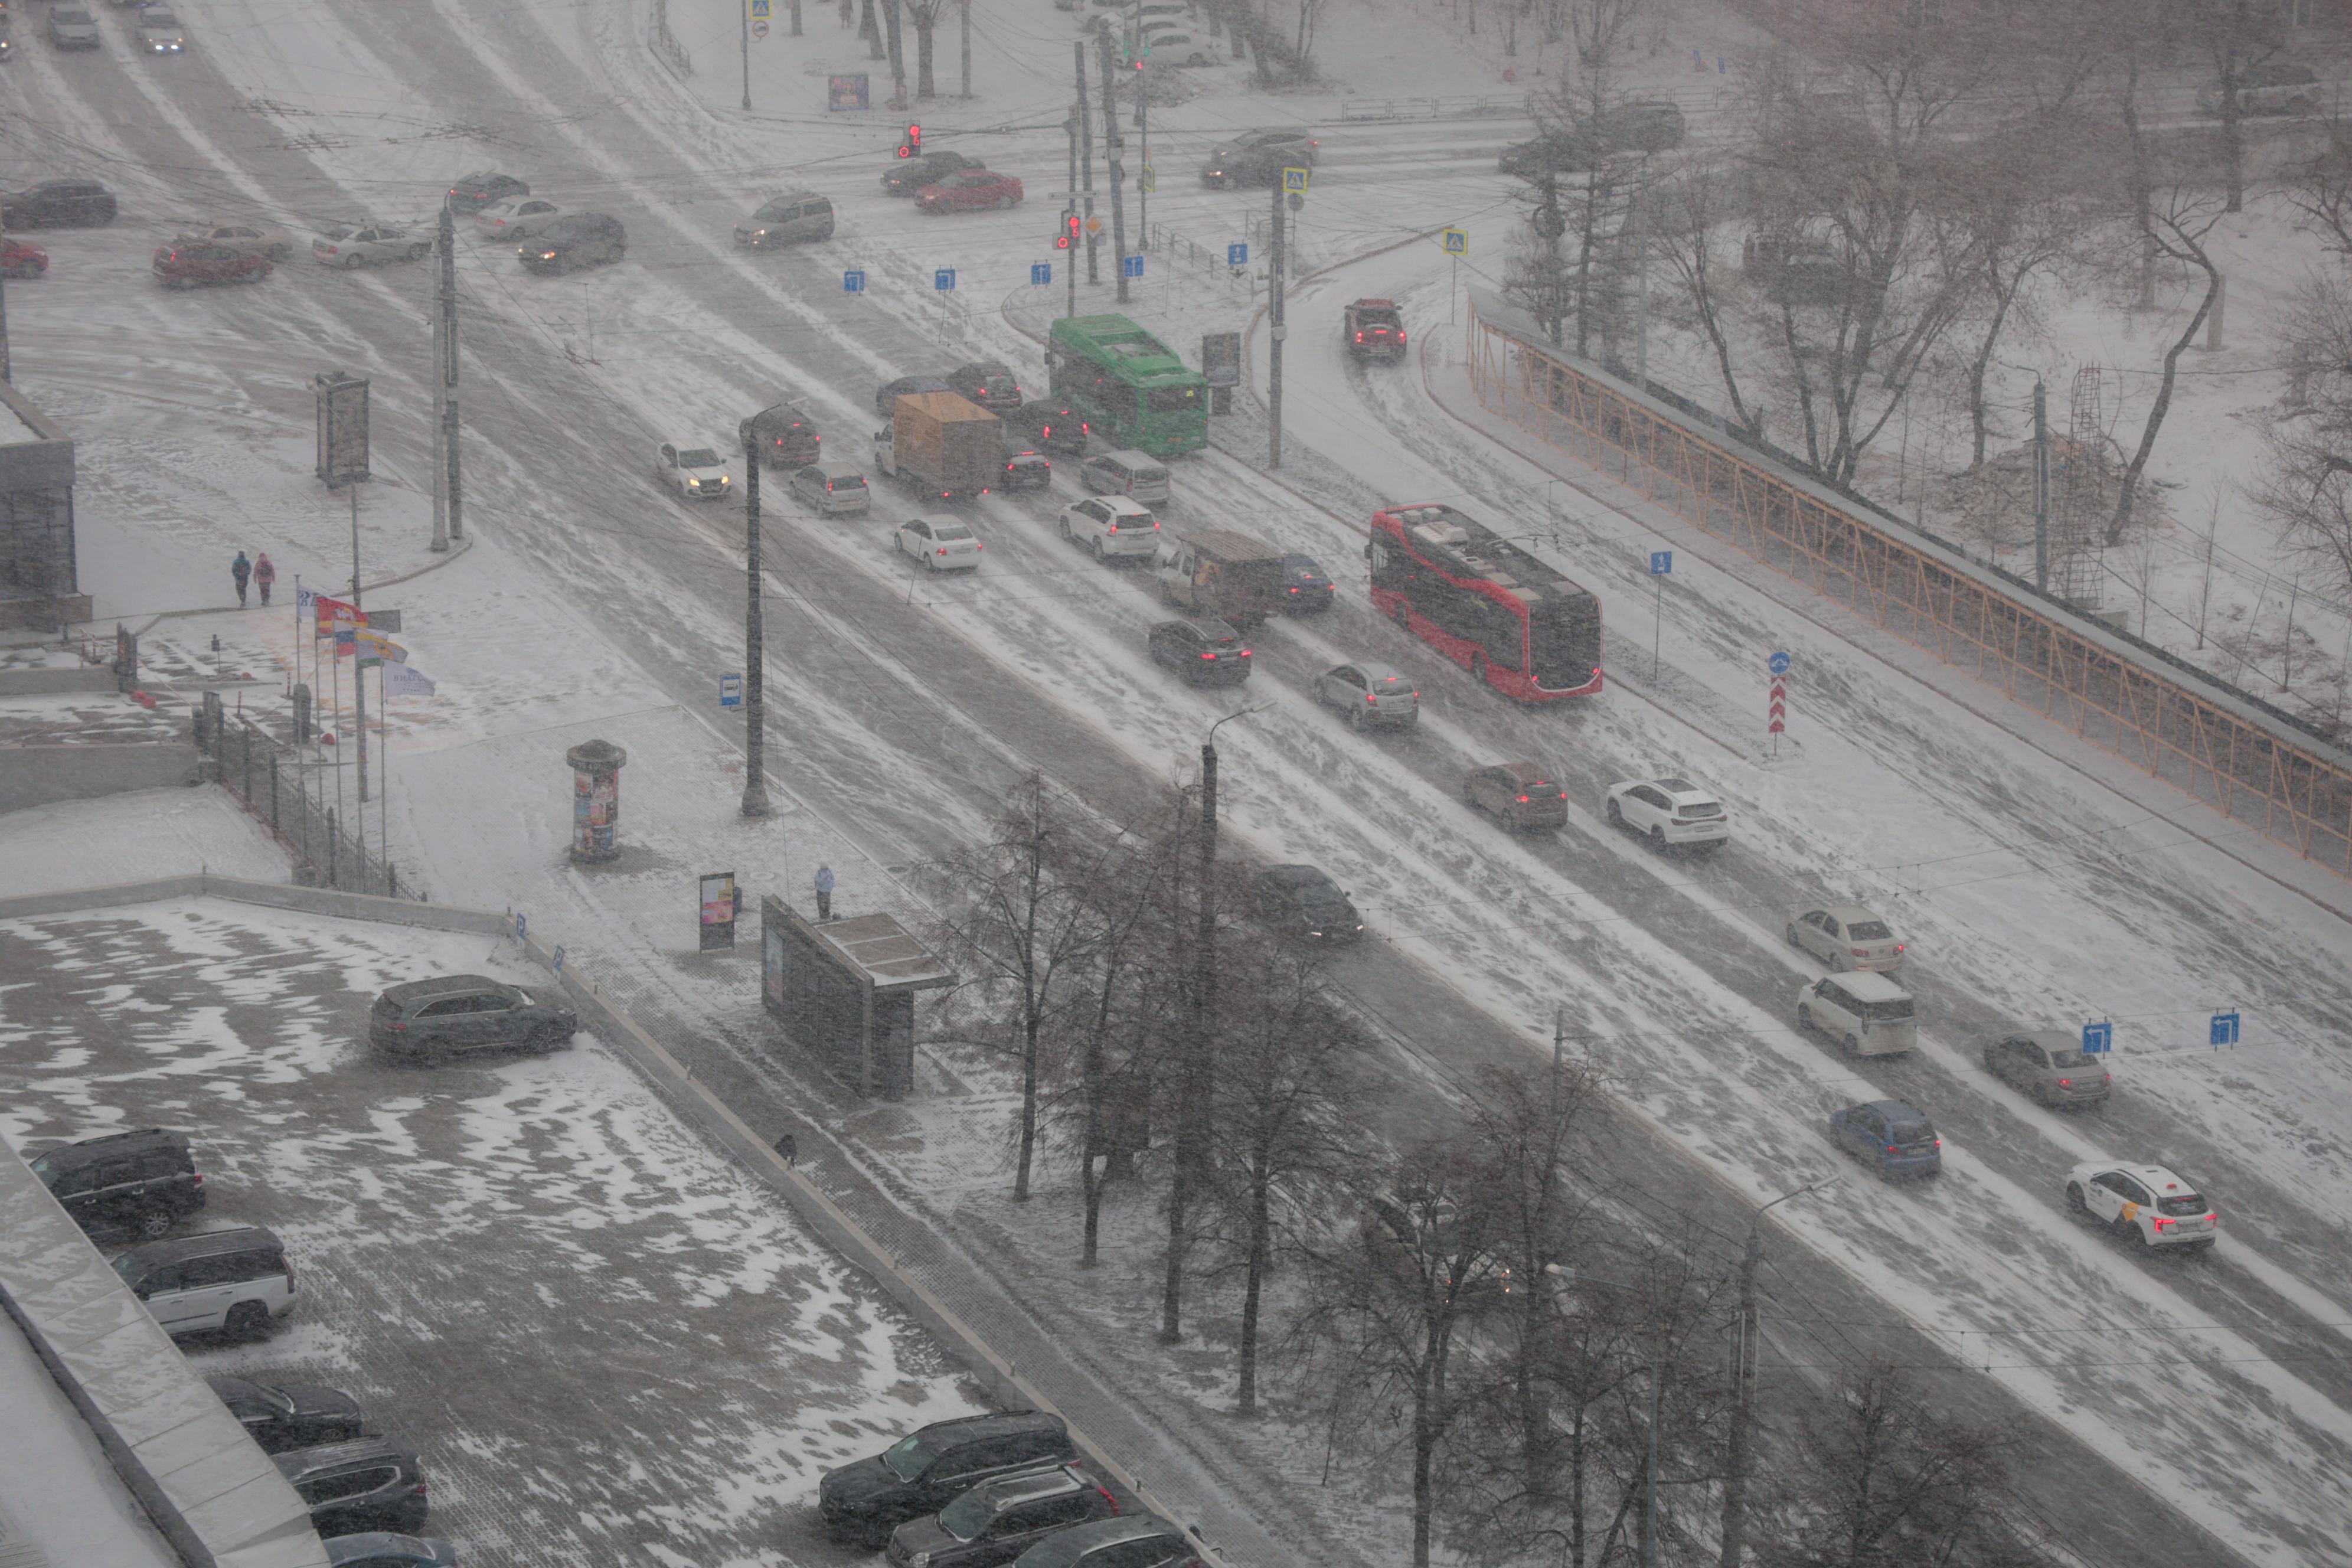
(347, 642)
(375, 646)
(334, 612)
(306, 600)
(399, 680)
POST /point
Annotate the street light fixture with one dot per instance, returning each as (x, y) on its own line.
(1743, 1404)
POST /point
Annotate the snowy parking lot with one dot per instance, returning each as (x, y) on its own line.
(608, 1343)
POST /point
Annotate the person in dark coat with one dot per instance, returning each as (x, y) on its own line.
(824, 893)
(238, 571)
(264, 575)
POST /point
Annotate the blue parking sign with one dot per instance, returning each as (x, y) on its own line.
(1133, 265)
(854, 281)
(2225, 1029)
(1041, 272)
(1238, 254)
(2098, 1038)
(943, 279)
(1662, 562)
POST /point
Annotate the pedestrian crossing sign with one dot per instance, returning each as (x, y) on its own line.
(1457, 243)
(1293, 179)
(759, 10)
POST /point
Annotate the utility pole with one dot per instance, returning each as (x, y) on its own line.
(755, 655)
(1086, 164)
(1551, 226)
(5, 373)
(448, 494)
(359, 685)
(1111, 146)
(1641, 291)
(1143, 141)
(744, 21)
(2041, 486)
(1276, 332)
(1744, 1344)
(1070, 207)
(1650, 1469)
(966, 8)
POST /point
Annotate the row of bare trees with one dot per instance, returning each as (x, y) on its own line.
(1476, 1324)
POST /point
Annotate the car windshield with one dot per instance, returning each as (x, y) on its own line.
(2180, 1204)
(774, 210)
(126, 1267)
(907, 1459)
(160, 20)
(1173, 400)
(697, 457)
(277, 1399)
(44, 1167)
(1864, 931)
(338, 232)
(950, 530)
(969, 1515)
(2068, 1060)
(1897, 1010)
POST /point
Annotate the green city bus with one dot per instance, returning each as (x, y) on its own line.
(1127, 385)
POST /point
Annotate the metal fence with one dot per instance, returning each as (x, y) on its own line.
(1206, 259)
(2230, 749)
(1367, 110)
(294, 797)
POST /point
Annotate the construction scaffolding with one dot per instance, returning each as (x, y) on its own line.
(2230, 750)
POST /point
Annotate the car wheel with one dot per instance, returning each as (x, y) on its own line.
(248, 1320)
(2041, 1095)
(1004, 203)
(1063, 527)
(1852, 1046)
(1615, 813)
(1789, 934)
(1102, 556)
(1657, 837)
(2133, 1236)
(419, 252)
(1804, 1016)
(1352, 714)
(1478, 668)
(1404, 615)
(2074, 1199)
(353, 262)
(554, 1037)
(153, 1222)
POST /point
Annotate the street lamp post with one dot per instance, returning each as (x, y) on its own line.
(755, 651)
(1743, 1404)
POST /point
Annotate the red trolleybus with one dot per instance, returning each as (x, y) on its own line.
(1512, 621)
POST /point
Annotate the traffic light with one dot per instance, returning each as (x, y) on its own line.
(1069, 234)
(911, 145)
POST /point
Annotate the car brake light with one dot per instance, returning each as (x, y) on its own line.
(399, 1028)
(1244, 653)
(416, 1490)
(334, 250)
(1113, 529)
(1208, 656)
(199, 1176)
(1360, 337)
(2106, 1078)
(1109, 1498)
(1939, 1142)
(1893, 1150)
(2164, 1225)
(1898, 947)
(828, 487)
(2065, 1083)
(1400, 337)
(1563, 794)
(1372, 696)
(1523, 799)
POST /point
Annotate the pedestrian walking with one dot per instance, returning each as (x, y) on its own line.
(238, 571)
(788, 1149)
(824, 893)
(264, 575)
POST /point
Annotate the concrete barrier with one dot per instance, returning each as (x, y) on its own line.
(49, 682)
(44, 775)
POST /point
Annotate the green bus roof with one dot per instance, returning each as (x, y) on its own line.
(1126, 350)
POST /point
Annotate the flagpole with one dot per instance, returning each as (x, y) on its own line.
(298, 629)
(383, 771)
(335, 668)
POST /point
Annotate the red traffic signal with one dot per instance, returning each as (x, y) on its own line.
(1069, 234)
(912, 144)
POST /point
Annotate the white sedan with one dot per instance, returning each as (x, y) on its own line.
(695, 473)
(2145, 1202)
(940, 542)
(516, 218)
(1668, 811)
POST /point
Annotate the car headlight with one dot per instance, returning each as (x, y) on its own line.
(919, 1560)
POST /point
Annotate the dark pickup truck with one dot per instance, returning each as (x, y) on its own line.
(1374, 329)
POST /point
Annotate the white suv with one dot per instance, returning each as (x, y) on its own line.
(695, 473)
(237, 1279)
(2148, 1201)
(1668, 811)
(1111, 526)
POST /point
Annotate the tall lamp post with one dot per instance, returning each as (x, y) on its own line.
(755, 655)
(1192, 1131)
(1743, 1404)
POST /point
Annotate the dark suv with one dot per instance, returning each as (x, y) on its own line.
(994, 1523)
(1053, 426)
(987, 383)
(576, 239)
(297, 1415)
(369, 1483)
(1302, 901)
(1143, 1541)
(59, 203)
(1026, 467)
(458, 1014)
(1206, 653)
(474, 191)
(929, 1469)
(145, 1181)
(787, 440)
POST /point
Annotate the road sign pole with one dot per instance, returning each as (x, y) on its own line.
(1658, 625)
(1275, 333)
(1112, 146)
(1086, 170)
(747, 55)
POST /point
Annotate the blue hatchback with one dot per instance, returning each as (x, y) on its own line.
(1890, 1135)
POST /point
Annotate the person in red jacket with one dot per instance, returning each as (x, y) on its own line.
(264, 575)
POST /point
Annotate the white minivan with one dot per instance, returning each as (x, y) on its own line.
(1870, 1013)
(1126, 473)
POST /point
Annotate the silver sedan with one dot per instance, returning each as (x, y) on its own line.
(370, 244)
(1366, 693)
(1846, 936)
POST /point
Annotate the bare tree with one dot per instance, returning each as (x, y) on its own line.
(2306, 481)
(2234, 36)
(2016, 231)
(2320, 186)
(1017, 914)
(1286, 1094)
(1392, 1305)
(2177, 224)
(1888, 1474)
(924, 15)
(870, 30)
(891, 36)
(1692, 206)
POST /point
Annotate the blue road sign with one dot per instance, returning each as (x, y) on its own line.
(522, 927)
(1041, 272)
(2225, 1028)
(2098, 1038)
(559, 964)
(1662, 562)
(854, 281)
(1779, 662)
(1237, 256)
(730, 691)
(943, 279)
(1133, 265)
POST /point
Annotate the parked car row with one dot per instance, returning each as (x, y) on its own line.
(987, 1491)
(154, 29)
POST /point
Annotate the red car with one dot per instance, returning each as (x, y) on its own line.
(185, 265)
(969, 188)
(19, 259)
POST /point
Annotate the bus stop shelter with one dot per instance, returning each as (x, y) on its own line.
(845, 991)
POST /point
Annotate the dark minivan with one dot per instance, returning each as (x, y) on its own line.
(577, 240)
(457, 1015)
(927, 1470)
(369, 1483)
(145, 1181)
(785, 438)
(995, 1522)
